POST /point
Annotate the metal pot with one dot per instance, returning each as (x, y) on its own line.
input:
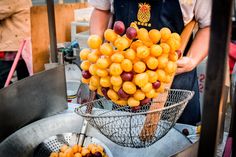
(24, 141)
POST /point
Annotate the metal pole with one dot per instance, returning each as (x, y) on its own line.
(215, 77)
(52, 30)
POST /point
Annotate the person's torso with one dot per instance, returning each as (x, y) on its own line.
(187, 8)
(14, 23)
(150, 14)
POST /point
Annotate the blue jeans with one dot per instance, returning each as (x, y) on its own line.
(188, 81)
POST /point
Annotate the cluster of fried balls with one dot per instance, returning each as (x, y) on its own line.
(92, 150)
(132, 65)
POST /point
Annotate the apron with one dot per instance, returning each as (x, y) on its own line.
(156, 14)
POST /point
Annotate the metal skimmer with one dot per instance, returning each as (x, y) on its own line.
(124, 125)
(54, 143)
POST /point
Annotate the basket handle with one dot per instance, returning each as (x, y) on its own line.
(85, 95)
(151, 121)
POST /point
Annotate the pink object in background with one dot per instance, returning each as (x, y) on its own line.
(228, 147)
(232, 56)
(27, 55)
(13, 68)
(25, 51)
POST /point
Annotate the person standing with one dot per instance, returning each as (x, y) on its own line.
(14, 27)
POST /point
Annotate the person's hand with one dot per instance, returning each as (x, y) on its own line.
(185, 64)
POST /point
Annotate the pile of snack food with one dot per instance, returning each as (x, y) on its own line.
(132, 65)
(92, 150)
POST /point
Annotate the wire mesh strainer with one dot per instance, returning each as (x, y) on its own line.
(54, 143)
(127, 126)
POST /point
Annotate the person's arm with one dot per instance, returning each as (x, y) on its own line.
(99, 21)
(197, 52)
(199, 48)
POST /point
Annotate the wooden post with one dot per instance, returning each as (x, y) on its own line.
(215, 76)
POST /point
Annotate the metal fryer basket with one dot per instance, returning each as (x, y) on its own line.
(54, 143)
(124, 125)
